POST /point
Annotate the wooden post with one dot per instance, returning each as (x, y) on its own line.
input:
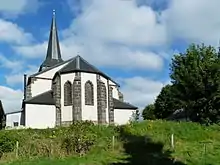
(113, 142)
(172, 141)
(16, 151)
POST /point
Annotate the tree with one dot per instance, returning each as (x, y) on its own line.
(166, 103)
(148, 112)
(137, 115)
(195, 75)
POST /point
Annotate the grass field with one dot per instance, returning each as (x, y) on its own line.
(146, 143)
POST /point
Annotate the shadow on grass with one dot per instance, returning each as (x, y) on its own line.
(143, 151)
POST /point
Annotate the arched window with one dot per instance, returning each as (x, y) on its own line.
(89, 95)
(67, 93)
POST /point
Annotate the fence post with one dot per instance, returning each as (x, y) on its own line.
(172, 141)
(16, 151)
(113, 142)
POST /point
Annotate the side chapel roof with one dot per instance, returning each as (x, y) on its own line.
(43, 98)
(117, 104)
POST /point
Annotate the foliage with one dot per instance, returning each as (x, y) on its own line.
(149, 112)
(7, 142)
(81, 138)
(189, 140)
(146, 142)
(166, 103)
(196, 78)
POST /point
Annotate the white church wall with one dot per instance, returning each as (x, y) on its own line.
(50, 73)
(106, 86)
(66, 111)
(13, 118)
(115, 92)
(89, 112)
(40, 116)
(40, 86)
(123, 116)
(112, 83)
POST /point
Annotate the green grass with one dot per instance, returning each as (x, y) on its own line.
(146, 143)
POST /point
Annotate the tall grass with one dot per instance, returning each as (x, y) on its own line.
(147, 142)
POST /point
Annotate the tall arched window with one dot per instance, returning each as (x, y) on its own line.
(67, 93)
(89, 93)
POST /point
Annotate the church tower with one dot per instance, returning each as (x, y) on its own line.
(53, 56)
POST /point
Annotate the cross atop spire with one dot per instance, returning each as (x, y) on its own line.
(53, 56)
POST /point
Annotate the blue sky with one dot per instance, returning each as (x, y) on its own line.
(131, 40)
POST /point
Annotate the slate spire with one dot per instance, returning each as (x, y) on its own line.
(53, 56)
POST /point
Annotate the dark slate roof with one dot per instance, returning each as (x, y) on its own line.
(117, 104)
(81, 65)
(53, 51)
(45, 98)
(45, 70)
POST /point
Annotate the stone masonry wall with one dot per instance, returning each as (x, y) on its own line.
(56, 87)
(28, 90)
(120, 95)
(101, 101)
(77, 102)
(111, 108)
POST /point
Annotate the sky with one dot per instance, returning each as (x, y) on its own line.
(132, 41)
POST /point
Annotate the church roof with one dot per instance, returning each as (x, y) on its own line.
(117, 104)
(81, 65)
(53, 56)
(43, 98)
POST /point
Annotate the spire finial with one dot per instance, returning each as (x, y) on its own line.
(54, 12)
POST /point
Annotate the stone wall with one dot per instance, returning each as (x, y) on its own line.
(120, 95)
(111, 108)
(56, 87)
(101, 101)
(77, 102)
(28, 88)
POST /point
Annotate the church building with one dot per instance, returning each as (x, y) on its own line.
(65, 91)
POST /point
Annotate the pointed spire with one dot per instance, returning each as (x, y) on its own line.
(53, 51)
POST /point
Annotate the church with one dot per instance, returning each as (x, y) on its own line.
(65, 91)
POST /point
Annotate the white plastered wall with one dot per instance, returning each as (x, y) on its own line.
(89, 112)
(40, 86)
(11, 118)
(123, 116)
(66, 111)
(50, 73)
(40, 116)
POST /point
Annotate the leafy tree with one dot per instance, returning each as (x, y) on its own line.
(148, 112)
(137, 115)
(196, 80)
(166, 103)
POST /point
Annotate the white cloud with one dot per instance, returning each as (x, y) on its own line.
(32, 51)
(140, 91)
(13, 65)
(14, 79)
(194, 20)
(110, 36)
(122, 22)
(12, 33)
(13, 8)
(11, 99)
